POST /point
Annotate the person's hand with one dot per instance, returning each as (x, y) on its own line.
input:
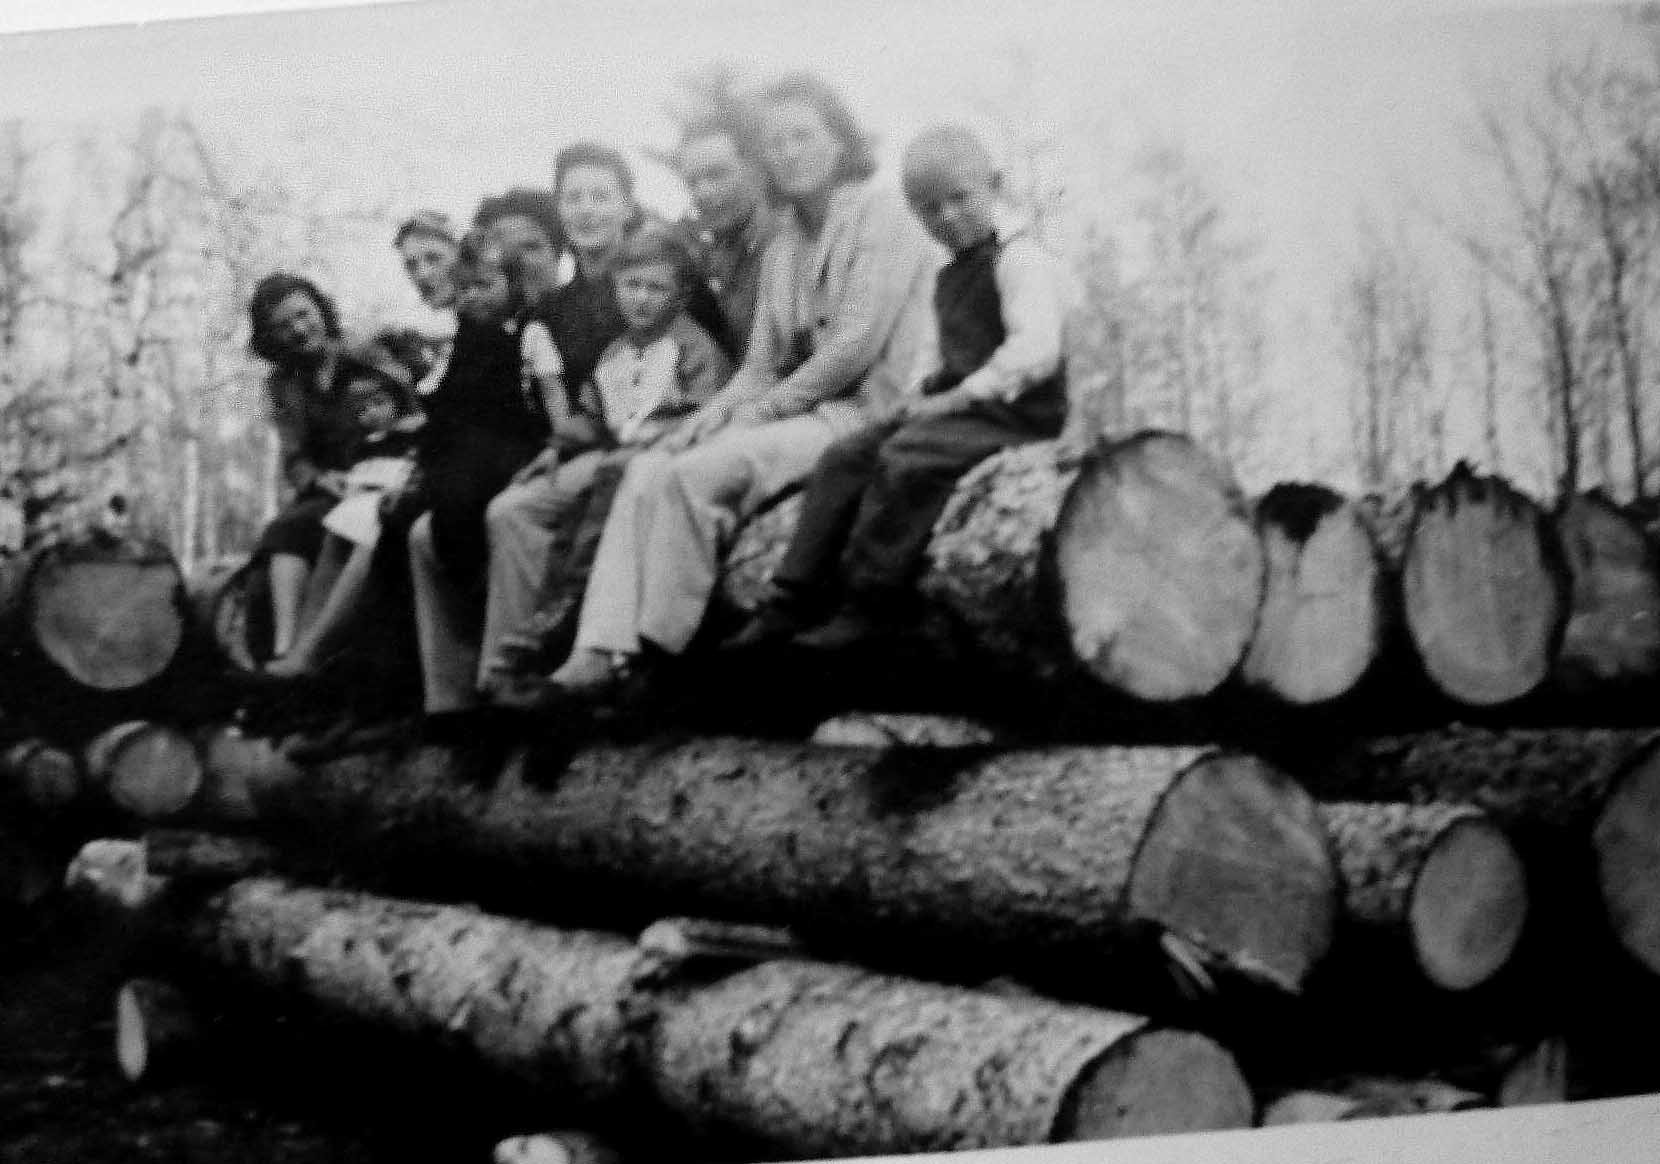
(331, 481)
(539, 465)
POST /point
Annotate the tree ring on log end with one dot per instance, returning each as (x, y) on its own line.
(1469, 903)
(1627, 842)
(1153, 1082)
(1237, 858)
(112, 618)
(1160, 568)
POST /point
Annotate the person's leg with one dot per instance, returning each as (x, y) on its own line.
(704, 494)
(521, 521)
(338, 611)
(447, 626)
(289, 574)
(325, 576)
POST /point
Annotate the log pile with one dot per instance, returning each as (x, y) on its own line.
(919, 932)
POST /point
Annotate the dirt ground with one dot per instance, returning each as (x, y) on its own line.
(279, 1093)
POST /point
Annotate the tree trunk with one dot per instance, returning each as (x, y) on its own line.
(1322, 620)
(1024, 854)
(1440, 879)
(1484, 591)
(40, 775)
(1612, 640)
(1138, 561)
(97, 617)
(822, 1060)
(1570, 798)
(146, 770)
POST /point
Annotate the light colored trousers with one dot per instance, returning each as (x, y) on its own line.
(672, 521)
(460, 640)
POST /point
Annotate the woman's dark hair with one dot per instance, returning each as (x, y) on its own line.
(858, 160)
(531, 202)
(600, 157)
(268, 293)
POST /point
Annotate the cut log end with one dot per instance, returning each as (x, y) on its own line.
(1468, 905)
(1613, 632)
(1322, 613)
(112, 617)
(1153, 1083)
(1484, 589)
(154, 1026)
(1160, 569)
(149, 770)
(1626, 839)
(1255, 842)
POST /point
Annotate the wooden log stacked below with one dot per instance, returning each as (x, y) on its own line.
(147, 770)
(156, 1029)
(1612, 639)
(823, 1060)
(96, 619)
(1027, 853)
(1569, 797)
(810, 1057)
(1441, 880)
(1322, 620)
(45, 778)
(1484, 591)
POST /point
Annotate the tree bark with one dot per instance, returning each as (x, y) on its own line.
(1484, 591)
(1023, 854)
(1612, 638)
(1440, 880)
(822, 1060)
(1322, 621)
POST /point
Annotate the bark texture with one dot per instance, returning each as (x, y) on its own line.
(820, 1060)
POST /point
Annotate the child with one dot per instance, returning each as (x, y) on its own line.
(384, 459)
(874, 496)
(656, 373)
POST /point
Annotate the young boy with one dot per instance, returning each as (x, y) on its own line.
(384, 461)
(655, 374)
(999, 380)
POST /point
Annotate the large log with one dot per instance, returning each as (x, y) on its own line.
(40, 775)
(1138, 561)
(1484, 591)
(1571, 798)
(1440, 880)
(1612, 638)
(146, 770)
(1022, 855)
(821, 1060)
(1322, 621)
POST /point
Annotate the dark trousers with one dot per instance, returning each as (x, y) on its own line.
(872, 500)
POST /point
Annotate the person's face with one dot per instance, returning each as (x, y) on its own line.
(593, 208)
(724, 188)
(801, 152)
(485, 295)
(429, 261)
(523, 238)
(648, 295)
(956, 202)
(297, 324)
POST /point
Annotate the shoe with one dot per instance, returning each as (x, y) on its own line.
(852, 627)
(590, 674)
(774, 625)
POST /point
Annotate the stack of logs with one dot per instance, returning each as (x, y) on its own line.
(1306, 893)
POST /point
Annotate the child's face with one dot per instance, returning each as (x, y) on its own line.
(956, 201)
(298, 324)
(376, 410)
(533, 251)
(485, 295)
(430, 261)
(648, 295)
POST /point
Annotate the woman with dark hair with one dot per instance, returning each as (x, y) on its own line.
(296, 329)
(842, 323)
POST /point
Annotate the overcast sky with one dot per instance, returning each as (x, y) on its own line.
(1300, 114)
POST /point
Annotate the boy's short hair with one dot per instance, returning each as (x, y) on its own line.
(534, 203)
(428, 222)
(655, 242)
(597, 155)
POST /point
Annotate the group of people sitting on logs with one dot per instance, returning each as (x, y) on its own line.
(658, 385)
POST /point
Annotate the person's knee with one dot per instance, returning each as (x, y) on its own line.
(507, 508)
